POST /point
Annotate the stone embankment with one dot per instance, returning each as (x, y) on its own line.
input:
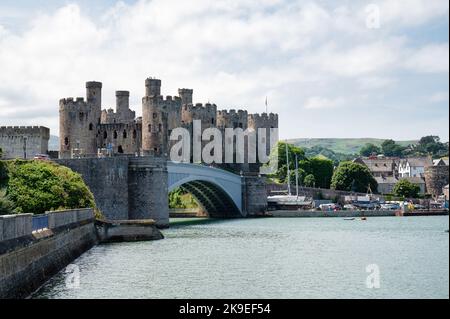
(34, 248)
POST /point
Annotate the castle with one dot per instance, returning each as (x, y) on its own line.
(23, 141)
(88, 131)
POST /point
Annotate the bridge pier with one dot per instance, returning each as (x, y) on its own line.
(147, 190)
(254, 195)
(126, 188)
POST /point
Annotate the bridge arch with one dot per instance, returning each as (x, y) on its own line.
(218, 191)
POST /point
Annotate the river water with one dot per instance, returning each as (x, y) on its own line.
(269, 258)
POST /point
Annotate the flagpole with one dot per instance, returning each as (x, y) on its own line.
(266, 105)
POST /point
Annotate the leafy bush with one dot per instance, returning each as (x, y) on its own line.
(39, 186)
(310, 181)
(178, 198)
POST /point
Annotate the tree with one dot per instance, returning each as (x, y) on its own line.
(432, 145)
(310, 181)
(390, 148)
(369, 149)
(405, 188)
(282, 165)
(7, 207)
(322, 170)
(351, 176)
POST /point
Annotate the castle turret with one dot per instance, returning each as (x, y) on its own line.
(122, 102)
(185, 95)
(94, 93)
(152, 87)
(154, 120)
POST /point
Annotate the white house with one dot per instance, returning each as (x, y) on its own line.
(414, 167)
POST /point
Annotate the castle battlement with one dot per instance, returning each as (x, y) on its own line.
(232, 112)
(160, 98)
(25, 130)
(73, 102)
(200, 107)
(264, 116)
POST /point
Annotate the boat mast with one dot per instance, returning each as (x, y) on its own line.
(296, 174)
(288, 170)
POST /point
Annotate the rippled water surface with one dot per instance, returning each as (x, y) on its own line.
(270, 258)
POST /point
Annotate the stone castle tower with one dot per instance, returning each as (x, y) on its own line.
(86, 130)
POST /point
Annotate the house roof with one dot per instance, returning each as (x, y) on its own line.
(415, 180)
(386, 180)
(418, 161)
(440, 162)
(379, 164)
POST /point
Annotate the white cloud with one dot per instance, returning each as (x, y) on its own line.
(317, 102)
(376, 82)
(432, 58)
(439, 97)
(411, 12)
(230, 52)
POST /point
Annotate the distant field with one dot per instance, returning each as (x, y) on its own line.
(342, 145)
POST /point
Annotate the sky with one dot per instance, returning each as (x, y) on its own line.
(344, 69)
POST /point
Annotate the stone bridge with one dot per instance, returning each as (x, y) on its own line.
(138, 187)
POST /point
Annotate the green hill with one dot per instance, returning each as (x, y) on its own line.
(342, 145)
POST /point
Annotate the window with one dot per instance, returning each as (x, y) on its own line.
(155, 115)
(159, 127)
(155, 150)
(120, 149)
(212, 121)
(66, 141)
(91, 127)
(115, 135)
(134, 134)
(150, 128)
(240, 125)
(105, 135)
(81, 116)
(124, 134)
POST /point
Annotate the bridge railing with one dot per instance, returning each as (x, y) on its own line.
(39, 222)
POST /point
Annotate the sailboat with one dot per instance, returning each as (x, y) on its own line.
(289, 201)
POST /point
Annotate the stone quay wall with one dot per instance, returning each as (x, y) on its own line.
(28, 259)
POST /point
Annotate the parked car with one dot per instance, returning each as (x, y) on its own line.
(390, 206)
(418, 206)
(42, 157)
(350, 207)
(329, 207)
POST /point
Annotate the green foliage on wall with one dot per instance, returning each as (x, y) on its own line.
(39, 186)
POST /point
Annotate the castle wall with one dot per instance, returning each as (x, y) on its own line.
(124, 138)
(267, 121)
(18, 141)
